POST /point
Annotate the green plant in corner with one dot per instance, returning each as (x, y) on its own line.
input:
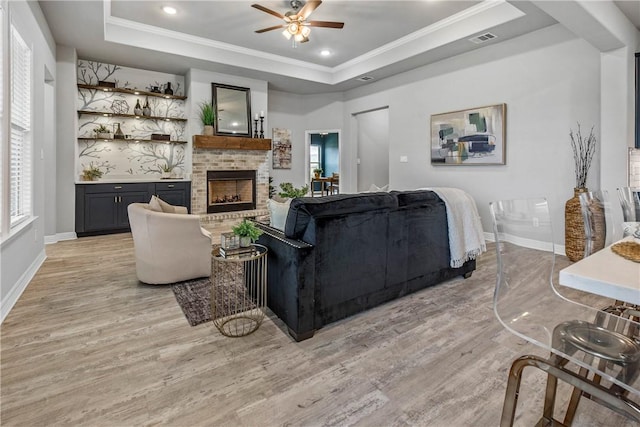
(247, 229)
(207, 115)
(290, 192)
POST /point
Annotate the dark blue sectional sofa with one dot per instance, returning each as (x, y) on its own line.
(343, 254)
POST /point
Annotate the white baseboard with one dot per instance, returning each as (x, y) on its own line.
(527, 243)
(19, 287)
(60, 237)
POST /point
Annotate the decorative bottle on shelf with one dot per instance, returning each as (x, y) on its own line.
(146, 111)
(118, 134)
(168, 90)
(138, 109)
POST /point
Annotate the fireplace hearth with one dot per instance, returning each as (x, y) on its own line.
(231, 190)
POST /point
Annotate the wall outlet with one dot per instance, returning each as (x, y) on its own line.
(404, 159)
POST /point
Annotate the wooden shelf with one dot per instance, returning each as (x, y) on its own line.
(131, 140)
(130, 91)
(231, 143)
(131, 116)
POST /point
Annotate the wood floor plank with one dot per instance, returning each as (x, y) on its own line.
(88, 345)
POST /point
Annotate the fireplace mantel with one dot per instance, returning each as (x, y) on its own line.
(230, 143)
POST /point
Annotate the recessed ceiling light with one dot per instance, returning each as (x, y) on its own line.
(325, 52)
(169, 10)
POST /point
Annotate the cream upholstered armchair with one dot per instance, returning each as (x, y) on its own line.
(169, 247)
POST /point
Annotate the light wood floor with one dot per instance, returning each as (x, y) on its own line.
(87, 344)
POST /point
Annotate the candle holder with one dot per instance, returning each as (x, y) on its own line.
(261, 129)
(255, 128)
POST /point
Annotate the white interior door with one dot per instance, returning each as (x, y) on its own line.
(373, 149)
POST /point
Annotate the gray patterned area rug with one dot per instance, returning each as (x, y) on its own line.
(194, 298)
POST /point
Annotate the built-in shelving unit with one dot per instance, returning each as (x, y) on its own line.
(131, 144)
(130, 91)
(231, 143)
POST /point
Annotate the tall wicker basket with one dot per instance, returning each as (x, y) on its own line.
(574, 235)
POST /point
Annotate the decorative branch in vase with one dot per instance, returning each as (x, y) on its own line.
(574, 234)
(583, 151)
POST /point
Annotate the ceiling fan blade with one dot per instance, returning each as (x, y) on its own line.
(275, 27)
(326, 24)
(269, 11)
(308, 7)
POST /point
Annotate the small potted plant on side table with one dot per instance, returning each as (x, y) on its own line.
(317, 172)
(247, 231)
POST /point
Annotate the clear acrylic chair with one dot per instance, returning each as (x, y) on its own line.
(596, 352)
(599, 227)
(630, 203)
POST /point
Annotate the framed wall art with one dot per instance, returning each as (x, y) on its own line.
(476, 136)
(281, 140)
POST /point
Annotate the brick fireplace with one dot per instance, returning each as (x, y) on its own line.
(226, 156)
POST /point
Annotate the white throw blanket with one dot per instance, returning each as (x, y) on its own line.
(466, 237)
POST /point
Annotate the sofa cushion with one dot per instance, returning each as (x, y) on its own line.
(415, 197)
(303, 209)
(278, 213)
(154, 204)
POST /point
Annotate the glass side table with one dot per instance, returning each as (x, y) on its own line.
(239, 291)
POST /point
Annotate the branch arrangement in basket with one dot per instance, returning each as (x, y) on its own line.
(583, 151)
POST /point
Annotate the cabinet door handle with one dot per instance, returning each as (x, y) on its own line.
(115, 199)
(170, 185)
(119, 199)
(117, 187)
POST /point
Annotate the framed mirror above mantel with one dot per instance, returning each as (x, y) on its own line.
(232, 107)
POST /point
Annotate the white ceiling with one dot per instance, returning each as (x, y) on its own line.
(379, 39)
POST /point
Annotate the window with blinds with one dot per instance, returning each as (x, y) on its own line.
(20, 129)
(3, 135)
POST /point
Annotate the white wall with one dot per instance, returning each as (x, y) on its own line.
(66, 129)
(23, 251)
(549, 80)
(301, 113)
(198, 89)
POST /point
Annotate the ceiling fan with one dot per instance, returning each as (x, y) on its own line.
(295, 24)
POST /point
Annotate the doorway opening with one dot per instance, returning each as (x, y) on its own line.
(372, 158)
(322, 152)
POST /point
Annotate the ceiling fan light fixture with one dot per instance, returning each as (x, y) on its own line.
(287, 34)
(305, 31)
(293, 28)
(169, 10)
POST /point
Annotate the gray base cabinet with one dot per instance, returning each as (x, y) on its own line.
(102, 208)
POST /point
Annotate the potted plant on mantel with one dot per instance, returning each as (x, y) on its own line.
(247, 231)
(207, 117)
